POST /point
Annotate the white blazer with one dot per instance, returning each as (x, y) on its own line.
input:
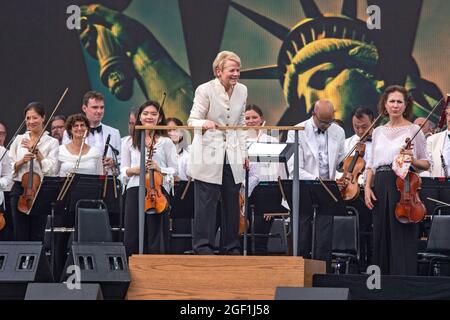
(211, 102)
(435, 145)
(309, 153)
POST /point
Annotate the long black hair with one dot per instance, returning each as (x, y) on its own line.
(161, 122)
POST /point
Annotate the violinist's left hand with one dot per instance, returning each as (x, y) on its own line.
(408, 152)
(26, 143)
(153, 165)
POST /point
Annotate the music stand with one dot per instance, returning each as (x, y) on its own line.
(267, 198)
(270, 152)
(322, 202)
(265, 152)
(43, 204)
(183, 207)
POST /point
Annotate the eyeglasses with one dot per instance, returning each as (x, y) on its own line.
(57, 127)
(323, 122)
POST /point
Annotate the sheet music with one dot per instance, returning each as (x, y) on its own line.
(265, 149)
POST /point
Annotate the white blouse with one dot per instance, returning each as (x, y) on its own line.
(5, 173)
(387, 142)
(165, 155)
(48, 146)
(267, 171)
(90, 163)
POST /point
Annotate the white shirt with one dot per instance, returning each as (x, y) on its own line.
(5, 173)
(387, 142)
(165, 155)
(90, 163)
(183, 159)
(48, 147)
(322, 144)
(446, 151)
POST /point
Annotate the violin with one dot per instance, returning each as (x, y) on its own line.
(155, 201)
(410, 209)
(31, 181)
(353, 167)
(242, 223)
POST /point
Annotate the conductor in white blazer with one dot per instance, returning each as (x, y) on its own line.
(94, 109)
(321, 149)
(438, 148)
(218, 157)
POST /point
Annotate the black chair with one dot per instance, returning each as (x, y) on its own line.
(438, 244)
(92, 222)
(345, 243)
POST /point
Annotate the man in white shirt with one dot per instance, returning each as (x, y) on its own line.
(362, 119)
(438, 148)
(94, 109)
(321, 148)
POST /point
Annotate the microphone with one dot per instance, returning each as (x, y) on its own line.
(106, 145)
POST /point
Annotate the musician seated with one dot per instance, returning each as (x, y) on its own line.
(77, 156)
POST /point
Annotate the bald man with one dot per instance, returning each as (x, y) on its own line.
(321, 149)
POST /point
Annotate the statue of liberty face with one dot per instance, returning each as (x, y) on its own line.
(340, 70)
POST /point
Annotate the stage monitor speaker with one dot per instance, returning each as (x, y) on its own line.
(21, 263)
(104, 263)
(293, 293)
(60, 291)
(391, 287)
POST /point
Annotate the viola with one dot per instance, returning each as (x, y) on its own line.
(410, 209)
(155, 200)
(353, 167)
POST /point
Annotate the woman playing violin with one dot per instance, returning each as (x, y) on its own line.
(163, 162)
(395, 244)
(45, 158)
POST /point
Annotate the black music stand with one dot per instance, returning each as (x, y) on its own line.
(322, 202)
(44, 203)
(267, 198)
(183, 209)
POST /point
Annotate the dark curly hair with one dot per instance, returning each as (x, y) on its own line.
(408, 101)
(75, 118)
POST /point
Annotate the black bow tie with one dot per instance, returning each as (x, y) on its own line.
(98, 129)
(320, 131)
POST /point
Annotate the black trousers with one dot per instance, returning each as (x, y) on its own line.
(395, 243)
(323, 231)
(156, 234)
(206, 198)
(26, 227)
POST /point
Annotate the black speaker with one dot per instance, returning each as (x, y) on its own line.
(294, 293)
(104, 263)
(60, 291)
(21, 263)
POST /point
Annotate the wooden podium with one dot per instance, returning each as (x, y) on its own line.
(170, 277)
